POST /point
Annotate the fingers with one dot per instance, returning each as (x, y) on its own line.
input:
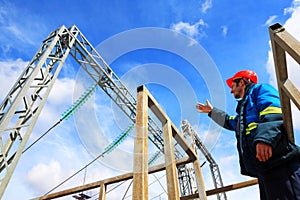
(262, 156)
(207, 102)
(263, 151)
(204, 108)
(200, 104)
(201, 107)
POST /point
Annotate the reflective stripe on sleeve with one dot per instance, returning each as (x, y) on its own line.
(231, 117)
(270, 110)
(251, 126)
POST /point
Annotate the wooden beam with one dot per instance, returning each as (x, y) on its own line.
(183, 143)
(232, 187)
(162, 116)
(102, 193)
(292, 92)
(108, 181)
(70, 191)
(286, 41)
(223, 189)
(140, 165)
(170, 162)
(199, 180)
(282, 75)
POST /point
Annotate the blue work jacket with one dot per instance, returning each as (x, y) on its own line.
(258, 119)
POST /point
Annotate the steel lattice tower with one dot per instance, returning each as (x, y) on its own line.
(214, 168)
(23, 104)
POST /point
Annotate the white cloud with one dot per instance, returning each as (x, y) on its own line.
(9, 73)
(58, 147)
(49, 173)
(60, 97)
(16, 32)
(57, 159)
(206, 5)
(192, 30)
(292, 24)
(270, 20)
(62, 91)
(293, 27)
(295, 5)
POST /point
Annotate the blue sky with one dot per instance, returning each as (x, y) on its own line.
(214, 40)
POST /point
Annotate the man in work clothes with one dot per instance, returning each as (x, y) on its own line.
(263, 147)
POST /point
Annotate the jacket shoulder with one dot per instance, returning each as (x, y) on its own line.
(263, 88)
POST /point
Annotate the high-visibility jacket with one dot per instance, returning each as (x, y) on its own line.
(258, 119)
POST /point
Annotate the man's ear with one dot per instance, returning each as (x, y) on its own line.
(243, 82)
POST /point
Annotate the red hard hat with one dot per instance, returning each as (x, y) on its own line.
(249, 74)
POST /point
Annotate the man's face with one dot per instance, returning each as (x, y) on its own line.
(237, 89)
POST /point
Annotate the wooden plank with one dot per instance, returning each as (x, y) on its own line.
(292, 92)
(108, 181)
(200, 181)
(170, 162)
(223, 189)
(286, 41)
(70, 191)
(163, 117)
(282, 75)
(232, 187)
(102, 193)
(183, 143)
(140, 165)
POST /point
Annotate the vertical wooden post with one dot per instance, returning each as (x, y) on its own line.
(170, 162)
(102, 193)
(140, 168)
(282, 44)
(282, 75)
(199, 180)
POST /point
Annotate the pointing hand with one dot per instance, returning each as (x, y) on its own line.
(200, 107)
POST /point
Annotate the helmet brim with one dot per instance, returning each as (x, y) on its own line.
(229, 82)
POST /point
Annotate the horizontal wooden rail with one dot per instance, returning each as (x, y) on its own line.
(223, 189)
(108, 181)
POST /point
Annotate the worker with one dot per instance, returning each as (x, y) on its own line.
(262, 143)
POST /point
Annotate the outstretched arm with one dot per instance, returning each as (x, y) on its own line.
(204, 108)
(219, 116)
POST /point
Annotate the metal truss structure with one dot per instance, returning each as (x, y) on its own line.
(23, 104)
(214, 168)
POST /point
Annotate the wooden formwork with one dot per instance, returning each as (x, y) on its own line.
(146, 101)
